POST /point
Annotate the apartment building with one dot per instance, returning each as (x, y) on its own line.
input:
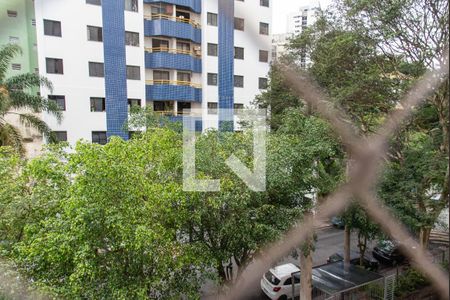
(17, 25)
(104, 56)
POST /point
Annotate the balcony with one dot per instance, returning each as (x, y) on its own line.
(165, 25)
(163, 90)
(166, 58)
(195, 5)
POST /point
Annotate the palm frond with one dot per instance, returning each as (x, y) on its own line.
(36, 123)
(26, 81)
(10, 136)
(21, 100)
(7, 53)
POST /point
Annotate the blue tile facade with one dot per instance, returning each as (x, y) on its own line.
(165, 60)
(172, 29)
(173, 92)
(115, 67)
(226, 65)
(195, 5)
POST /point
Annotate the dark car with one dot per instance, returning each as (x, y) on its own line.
(368, 262)
(338, 222)
(388, 252)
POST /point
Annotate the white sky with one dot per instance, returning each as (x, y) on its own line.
(281, 8)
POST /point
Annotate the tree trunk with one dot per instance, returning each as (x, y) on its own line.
(424, 237)
(347, 238)
(221, 271)
(362, 245)
(306, 275)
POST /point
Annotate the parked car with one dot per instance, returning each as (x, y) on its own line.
(368, 262)
(338, 222)
(388, 252)
(277, 282)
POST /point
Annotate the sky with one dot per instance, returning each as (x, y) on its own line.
(281, 8)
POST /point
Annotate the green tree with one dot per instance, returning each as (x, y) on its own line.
(17, 100)
(416, 31)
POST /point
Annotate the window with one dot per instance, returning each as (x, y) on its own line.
(238, 106)
(132, 38)
(60, 136)
(131, 5)
(184, 46)
(134, 103)
(96, 69)
(160, 45)
(239, 24)
(13, 39)
(52, 28)
(59, 100)
(212, 19)
(212, 49)
(16, 67)
(133, 72)
(94, 33)
(183, 107)
(262, 83)
(54, 65)
(264, 3)
(161, 76)
(184, 77)
(212, 108)
(94, 2)
(12, 13)
(263, 56)
(238, 53)
(212, 79)
(98, 104)
(238, 81)
(264, 28)
(99, 137)
(162, 8)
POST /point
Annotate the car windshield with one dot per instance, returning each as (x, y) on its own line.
(272, 278)
(387, 246)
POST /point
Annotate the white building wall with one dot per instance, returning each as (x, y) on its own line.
(249, 39)
(76, 51)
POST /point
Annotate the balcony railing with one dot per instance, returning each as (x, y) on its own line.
(174, 82)
(173, 51)
(172, 18)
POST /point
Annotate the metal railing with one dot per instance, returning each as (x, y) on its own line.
(173, 51)
(172, 18)
(173, 82)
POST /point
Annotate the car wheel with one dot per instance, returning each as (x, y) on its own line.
(284, 297)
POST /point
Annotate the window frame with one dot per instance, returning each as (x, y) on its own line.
(98, 64)
(212, 19)
(89, 33)
(93, 106)
(57, 99)
(132, 34)
(100, 139)
(237, 81)
(56, 61)
(212, 79)
(132, 71)
(51, 31)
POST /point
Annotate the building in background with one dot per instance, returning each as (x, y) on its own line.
(104, 56)
(279, 44)
(296, 22)
(302, 18)
(18, 26)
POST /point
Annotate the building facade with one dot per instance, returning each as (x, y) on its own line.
(17, 26)
(171, 55)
